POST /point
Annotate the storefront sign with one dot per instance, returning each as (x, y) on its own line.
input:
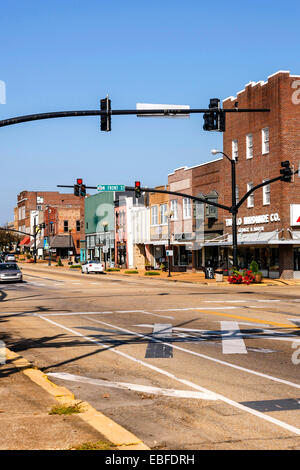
(256, 219)
(169, 252)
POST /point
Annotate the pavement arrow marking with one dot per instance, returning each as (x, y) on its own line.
(135, 387)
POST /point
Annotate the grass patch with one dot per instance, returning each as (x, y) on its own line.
(99, 445)
(152, 273)
(66, 409)
(113, 269)
(131, 271)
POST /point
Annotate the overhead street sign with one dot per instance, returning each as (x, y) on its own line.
(111, 187)
(168, 108)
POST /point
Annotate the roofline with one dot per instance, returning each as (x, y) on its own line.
(185, 168)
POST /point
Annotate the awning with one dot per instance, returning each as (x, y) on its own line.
(25, 241)
(61, 241)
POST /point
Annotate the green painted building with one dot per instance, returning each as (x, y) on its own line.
(100, 226)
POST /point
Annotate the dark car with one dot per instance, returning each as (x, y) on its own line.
(10, 272)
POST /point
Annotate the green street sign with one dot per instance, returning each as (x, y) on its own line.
(111, 187)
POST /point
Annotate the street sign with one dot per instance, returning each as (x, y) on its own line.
(169, 252)
(167, 110)
(105, 249)
(46, 244)
(111, 187)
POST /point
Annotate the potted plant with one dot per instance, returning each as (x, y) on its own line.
(255, 270)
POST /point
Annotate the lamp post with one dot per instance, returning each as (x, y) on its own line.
(234, 209)
(105, 227)
(169, 214)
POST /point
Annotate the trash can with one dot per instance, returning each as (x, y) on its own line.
(219, 275)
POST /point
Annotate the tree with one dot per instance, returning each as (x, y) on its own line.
(8, 239)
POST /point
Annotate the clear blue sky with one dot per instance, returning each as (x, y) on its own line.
(64, 55)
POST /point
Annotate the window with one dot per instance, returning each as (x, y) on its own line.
(154, 215)
(77, 243)
(39, 200)
(249, 146)
(163, 214)
(235, 152)
(174, 209)
(266, 194)
(77, 225)
(250, 199)
(39, 208)
(265, 140)
(187, 213)
(66, 225)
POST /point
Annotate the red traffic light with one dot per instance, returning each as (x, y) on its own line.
(79, 180)
(137, 184)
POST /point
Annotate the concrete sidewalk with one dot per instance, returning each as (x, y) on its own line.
(27, 398)
(189, 277)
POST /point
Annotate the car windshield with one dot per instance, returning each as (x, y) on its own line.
(94, 262)
(5, 266)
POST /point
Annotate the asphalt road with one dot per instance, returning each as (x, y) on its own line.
(182, 366)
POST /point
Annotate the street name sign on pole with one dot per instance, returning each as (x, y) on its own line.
(111, 187)
(168, 110)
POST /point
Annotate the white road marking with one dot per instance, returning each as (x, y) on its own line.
(296, 321)
(135, 387)
(232, 342)
(230, 402)
(143, 311)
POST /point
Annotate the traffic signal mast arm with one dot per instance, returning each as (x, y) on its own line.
(120, 112)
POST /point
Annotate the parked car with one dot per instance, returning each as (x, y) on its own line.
(92, 266)
(9, 257)
(10, 272)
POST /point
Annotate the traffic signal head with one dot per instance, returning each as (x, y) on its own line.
(105, 119)
(76, 189)
(209, 121)
(82, 190)
(286, 171)
(79, 181)
(137, 186)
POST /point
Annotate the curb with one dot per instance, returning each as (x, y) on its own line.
(113, 432)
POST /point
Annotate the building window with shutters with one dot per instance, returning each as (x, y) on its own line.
(249, 146)
(250, 199)
(265, 140)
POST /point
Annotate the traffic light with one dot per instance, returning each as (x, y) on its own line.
(214, 120)
(286, 171)
(82, 190)
(76, 189)
(105, 105)
(137, 186)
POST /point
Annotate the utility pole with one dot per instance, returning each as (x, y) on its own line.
(34, 239)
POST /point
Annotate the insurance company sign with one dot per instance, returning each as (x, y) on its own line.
(295, 215)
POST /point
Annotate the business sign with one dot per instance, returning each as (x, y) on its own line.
(46, 244)
(295, 215)
(169, 252)
(256, 219)
(110, 187)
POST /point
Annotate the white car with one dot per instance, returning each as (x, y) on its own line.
(92, 266)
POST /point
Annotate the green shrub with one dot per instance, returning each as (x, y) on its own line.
(152, 273)
(112, 269)
(254, 266)
(131, 271)
(75, 266)
(59, 262)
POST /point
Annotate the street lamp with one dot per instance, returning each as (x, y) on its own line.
(234, 210)
(169, 214)
(105, 227)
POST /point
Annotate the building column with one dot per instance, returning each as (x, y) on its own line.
(286, 262)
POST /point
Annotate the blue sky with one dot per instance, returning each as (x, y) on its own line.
(66, 55)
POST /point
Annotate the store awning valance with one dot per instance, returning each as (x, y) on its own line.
(25, 241)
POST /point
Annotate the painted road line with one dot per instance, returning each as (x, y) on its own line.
(161, 331)
(230, 402)
(135, 387)
(232, 343)
(295, 320)
(146, 313)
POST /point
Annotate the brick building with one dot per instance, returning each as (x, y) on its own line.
(268, 227)
(67, 213)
